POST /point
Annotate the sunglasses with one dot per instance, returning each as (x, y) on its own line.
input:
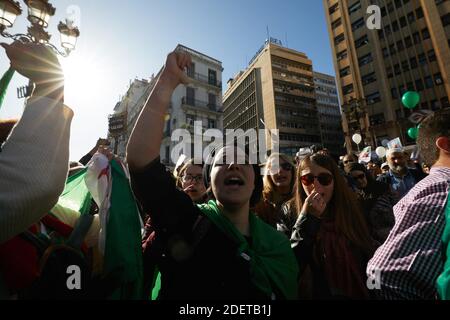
(324, 179)
(360, 176)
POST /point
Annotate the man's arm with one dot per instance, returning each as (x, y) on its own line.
(34, 160)
(407, 264)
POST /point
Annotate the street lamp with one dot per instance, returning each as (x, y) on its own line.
(39, 14)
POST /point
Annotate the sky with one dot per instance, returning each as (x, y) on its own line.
(124, 40)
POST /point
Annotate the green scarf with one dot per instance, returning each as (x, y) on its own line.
(272, 261)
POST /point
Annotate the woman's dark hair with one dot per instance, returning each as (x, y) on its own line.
(343, 205)
(207, 168)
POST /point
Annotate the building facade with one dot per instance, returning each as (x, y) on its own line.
(329, 113)
(199, 101)
(276, 91)
(126, 112)
(375, 67)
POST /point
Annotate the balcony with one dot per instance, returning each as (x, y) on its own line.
(200, 105)
(205, 80)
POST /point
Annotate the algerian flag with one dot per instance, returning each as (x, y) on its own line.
(76, 195)
(4, 82)
(121, 225)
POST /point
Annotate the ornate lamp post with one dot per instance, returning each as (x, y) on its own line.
(39, 14)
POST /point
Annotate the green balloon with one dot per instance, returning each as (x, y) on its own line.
(411, 99)
(413, 133)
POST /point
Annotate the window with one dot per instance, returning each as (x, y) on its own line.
(422, 59)
(211, 124)
(411, 17)
(339, 39)
(446, 19)
(397, 69)
(419, 13)
(403, 22)
(212, 77)
(428, 82)
(431, 55)
(347, 89)
(190, 96)
(389, 72)
(413, 62)
(400, 46)
(392, 49)
(438, 79)
(336, 23)
(408, 42)
(344, 72)
(191, 70)
(425, 34)
(405, 65)
(394, 93)
(385, 52)
(377, 119)
(341, 55)
(358, 24)
(416, 37)
(373, 98)
(212, 101)
(419, 85)
(369, 78)
(361, 41)
(395, 26)
(333, 9)
(365, 60)
(354, 7)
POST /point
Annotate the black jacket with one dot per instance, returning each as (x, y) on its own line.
(194, 265)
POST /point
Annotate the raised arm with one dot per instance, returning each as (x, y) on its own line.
(145, 140)
(34, 160)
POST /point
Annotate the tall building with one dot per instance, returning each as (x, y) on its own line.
(375, 68)
(199, 101)
(126, 112)
(329, 113)
(276, 91)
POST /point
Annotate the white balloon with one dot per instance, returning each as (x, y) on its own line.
(357, 138)
(381, 152)
(384, 143)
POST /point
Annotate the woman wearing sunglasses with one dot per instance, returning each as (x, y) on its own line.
(330, 237)
(377, 202)
(278, 181)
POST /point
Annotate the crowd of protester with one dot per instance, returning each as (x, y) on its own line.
(309, 227)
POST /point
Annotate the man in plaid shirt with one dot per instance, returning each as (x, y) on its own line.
(407, 265)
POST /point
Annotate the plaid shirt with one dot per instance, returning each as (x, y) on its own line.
(407, 265)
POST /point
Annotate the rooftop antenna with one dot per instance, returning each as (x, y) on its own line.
(287, 44)
(268, 34)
